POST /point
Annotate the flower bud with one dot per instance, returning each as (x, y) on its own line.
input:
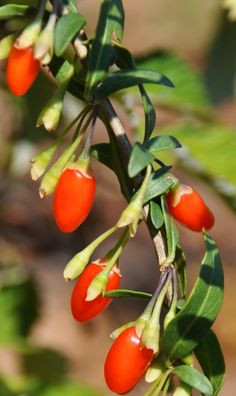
(6, 45)
(50, 114)
(77, 264)
(132, 213)
(155, 371)
(182, 390)
(29, 35)
(43, 49)
(50, 179)
(41, 161)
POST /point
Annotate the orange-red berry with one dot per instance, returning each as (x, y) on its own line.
(73, 198)
(22, 70)
(83, 310)
(187, 207)
(126, 361)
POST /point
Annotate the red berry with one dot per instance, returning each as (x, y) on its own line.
(186, 206)
(22, 69)
(126, 362)
(73, 198)
(83, 310)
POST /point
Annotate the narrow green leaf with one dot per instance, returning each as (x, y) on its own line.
(109, 155)
(60, 68)
(162, 142)
(180, 266)
(102, 152)
(160, 181)
(149, 112)
(110, 28)
(192, 377)
(125, 60)
(211, 359)
(121, 79)
(66, 29)
(172, 234)
(193, 322)
(13, 10)
(124, 293)
(139, 159)
(156, 215)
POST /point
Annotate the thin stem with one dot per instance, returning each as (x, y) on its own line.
(41, 8)
(166, 387)
(118, 248)
(85, 154)
(147, 313)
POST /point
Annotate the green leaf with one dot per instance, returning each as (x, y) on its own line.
(162, 142)
(156, 215)
(191, 93)
(121, 79)
(192, 377)
(66, 29)
(211, 359)
(125, 60)
(159, 182)
(102, 152)
(139, 159)
(110, 27)
(13, 10)
(60, 68)
(172, 234)
(180, 266)
(193, 322)
(149, 112)
(123, 293)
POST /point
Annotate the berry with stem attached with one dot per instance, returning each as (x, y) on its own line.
(187, 207)
(82, 309)
(126, 361)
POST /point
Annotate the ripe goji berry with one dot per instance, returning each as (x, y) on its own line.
(126, 361)
(22, 69)
(73, 198)
(186, 206)
(83, 310)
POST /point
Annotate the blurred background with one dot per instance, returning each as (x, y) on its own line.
(43, 351)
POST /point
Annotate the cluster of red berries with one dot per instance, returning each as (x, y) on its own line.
(72, 203)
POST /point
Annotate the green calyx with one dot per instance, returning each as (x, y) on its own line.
(156, 370)
(132, 213)
(6, 45)
(151, 332)
(51, 112)
(99, 283)
(44, 45)
(30, 34)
